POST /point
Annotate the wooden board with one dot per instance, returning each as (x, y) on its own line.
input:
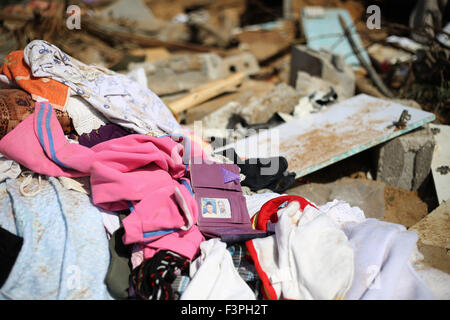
(441, 157)
(326, 33)
(337, 132)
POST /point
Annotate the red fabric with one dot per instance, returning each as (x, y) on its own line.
(270, 208)
(269, 212)
(267, 290)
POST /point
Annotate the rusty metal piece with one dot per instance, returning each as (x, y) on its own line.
(443, 169)
(402, 121)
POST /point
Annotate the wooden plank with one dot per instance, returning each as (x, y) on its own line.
(206, 92)
(337, 132)
(441, 157)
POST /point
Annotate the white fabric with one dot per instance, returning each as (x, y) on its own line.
(213, 276)
(341, 212)
(111, 221)
(139, 76)
(8, 168)
(255, 201)
(84, 117)
(309, 261)
(382, 267)
(72, 184)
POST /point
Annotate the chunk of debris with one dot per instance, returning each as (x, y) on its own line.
(406, 160)
(434, 237)
(324, 68)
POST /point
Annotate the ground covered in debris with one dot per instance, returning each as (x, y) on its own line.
(357, 93)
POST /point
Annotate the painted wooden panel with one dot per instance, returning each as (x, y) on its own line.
(337, 132)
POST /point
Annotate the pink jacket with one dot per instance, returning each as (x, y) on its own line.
(140, 172)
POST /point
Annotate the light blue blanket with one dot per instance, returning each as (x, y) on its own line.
(65, 252)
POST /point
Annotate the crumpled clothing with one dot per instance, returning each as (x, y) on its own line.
(137, 255)
(309, 262)
(8, 168)
(213, 276)
(117, 278)
(16, 105)
(72, 184)
(65, 251)
(382, 267)
(263, 173)
(153, 279)
(84, 117)
(102, 134)
(138, 171)
(40, 87)
(120, 99)
(339, 211)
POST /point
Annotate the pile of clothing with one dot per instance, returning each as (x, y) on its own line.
(97, 202)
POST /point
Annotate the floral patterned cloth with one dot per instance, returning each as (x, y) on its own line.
(120, 99)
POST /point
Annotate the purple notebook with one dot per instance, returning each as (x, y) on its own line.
(222, 208)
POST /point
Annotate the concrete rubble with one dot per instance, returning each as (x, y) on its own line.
(239, 68)
(405, 161)
(434, 237)
(323, 69)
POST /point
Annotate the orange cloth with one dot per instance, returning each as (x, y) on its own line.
(15, 68)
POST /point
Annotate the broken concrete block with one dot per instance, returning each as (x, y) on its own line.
(282, 98)
(182, 72)
(213, 66)
(434, 237)
(307, 84)
(244, 62)
(219, 118)
(368, 195)
(249, 88)
(406, 160)
(324, 65)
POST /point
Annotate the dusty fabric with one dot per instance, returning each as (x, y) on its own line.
(382, 267)
(138, 171)
(40, 87)
(8, 169)
(117, 278)
(120, 99)
(65, 251)
(309, 262)
(16, 105)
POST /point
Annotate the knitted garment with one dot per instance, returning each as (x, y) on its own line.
(152, 279)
